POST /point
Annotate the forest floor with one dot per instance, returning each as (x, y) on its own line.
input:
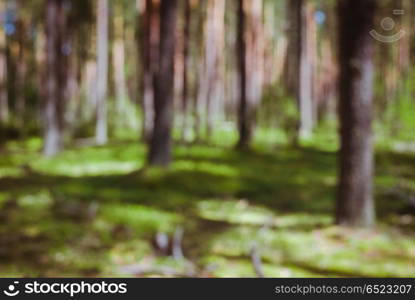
(94, 211)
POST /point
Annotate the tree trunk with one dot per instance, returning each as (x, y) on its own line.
(4, 101)
(214, 72)
(21, 68)
(292, 59)
(101, 130)
(160, 146)
(355, 204)
(185, 132)
(55, 28)
(305, 73)
(150, 45)
(251, 66)
(118, 58)
(243, 112)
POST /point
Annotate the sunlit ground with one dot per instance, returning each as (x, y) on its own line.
(94, 211)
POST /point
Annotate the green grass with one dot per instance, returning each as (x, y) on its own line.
(92, 211)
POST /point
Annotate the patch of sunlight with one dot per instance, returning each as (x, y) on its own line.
(224, 134)
(403, 147)
(239, 212)
(127, 252)
(39, 200)
(140, 218)
(268, 139)
(88, 168)
(302, 220)
(242, 212)
(242, 267)
(108, 160)
(77, 259)
(354, 252)
(206, 167)
(333, 251)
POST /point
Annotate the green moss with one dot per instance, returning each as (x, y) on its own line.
(276, 197)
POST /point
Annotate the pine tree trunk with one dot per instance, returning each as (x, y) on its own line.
(292, 59)
(251, 66)
(355, 203)
(245, 132)
(4, 101)
(186, 61)
(118, 60)
(160, 147)
(305, 74)
(55, 23)
(101, 130)
(150, 45)
(214, 73)
(21, 69)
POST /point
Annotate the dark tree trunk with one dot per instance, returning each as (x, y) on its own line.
(355, 204)
(291, 66)
(245, 133)
(150, 45)
(55, 81)
(186, 67)
(160, 147)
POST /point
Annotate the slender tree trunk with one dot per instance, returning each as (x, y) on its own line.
(55, 23)
(305, 73)
(245, 132)
(118, 58)
(201, 83)
(101, 130)
(186, 61)
(160, 146)
(355, 204)
(4, 101)
(150, 45)
(21, 68)
(214, 72)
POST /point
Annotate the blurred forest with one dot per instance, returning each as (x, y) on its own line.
(207, 138)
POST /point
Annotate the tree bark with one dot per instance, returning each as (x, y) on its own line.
(251, 66)
(185, 132)
(118, 58)
(101, 130)
(150, 45)
(55, 29)
(160, 146)
(21, 68)
(355, 203)
(245, 132)
(305, 73)
(4, 100)
(214, 72)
